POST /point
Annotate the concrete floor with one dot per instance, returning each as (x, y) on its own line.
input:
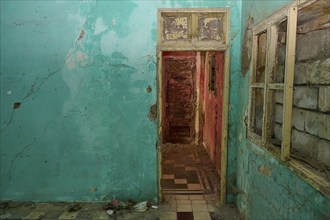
(189, 186)
(180, 208)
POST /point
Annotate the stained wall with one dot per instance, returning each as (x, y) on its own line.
(80, 73)
(266, 188)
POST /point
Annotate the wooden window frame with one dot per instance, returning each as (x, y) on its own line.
(270, 25)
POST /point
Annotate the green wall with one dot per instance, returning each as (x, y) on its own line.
(80, 70)
(282, 194)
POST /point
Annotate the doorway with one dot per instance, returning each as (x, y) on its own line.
(193, 87)
(192, 106)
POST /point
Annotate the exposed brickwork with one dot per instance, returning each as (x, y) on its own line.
(310, 137)
(310, 116)
(305, 97)
(313, 45)
(324, 98)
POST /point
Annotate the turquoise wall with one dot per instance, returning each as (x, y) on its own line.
(80, 70)
(269, 189)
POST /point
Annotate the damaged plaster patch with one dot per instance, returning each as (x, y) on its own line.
(77, 58)
(153, 112)
(80, 20)
(149, 89)
(265, 170)
(93, 189)
(100, 26)
(247, 46)
(82, 34)
(113, 22)
(107, 48)
(119, 39)
(16, 105)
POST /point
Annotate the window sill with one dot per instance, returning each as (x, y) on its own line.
(313, 178)
(317, 181)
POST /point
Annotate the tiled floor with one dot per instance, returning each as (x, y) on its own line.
(190, 185)
(187, 169)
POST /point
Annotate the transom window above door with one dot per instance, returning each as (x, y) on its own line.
(186, 28)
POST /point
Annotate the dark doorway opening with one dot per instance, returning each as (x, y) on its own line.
(192, 97)
(179, 70)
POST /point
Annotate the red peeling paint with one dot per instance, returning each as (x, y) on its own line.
(213, 110)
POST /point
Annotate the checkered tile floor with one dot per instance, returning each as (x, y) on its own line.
(187, 169)
(190, 207)
(190, 185)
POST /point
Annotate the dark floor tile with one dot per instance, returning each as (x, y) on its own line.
(181, 186)
(168, 183)
(179, 175)
(179, 170)
(167, 170)
(192, 177)
(192, 174)
(214, 216)
(185, 216)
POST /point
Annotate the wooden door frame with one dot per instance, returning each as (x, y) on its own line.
(213, 46)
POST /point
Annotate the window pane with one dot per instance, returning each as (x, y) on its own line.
(310, 133)
(261, 58)
(277, 117)
(279, 70)
(257, 110)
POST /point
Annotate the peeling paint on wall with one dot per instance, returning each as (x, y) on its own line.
(81, 69)
(153, 112)
(247, 46)
(176, 28)
(266, 182)
(210, 28)
(265, 170)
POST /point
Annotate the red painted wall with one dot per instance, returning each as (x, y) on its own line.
(213, 110)
(179, 70)
(210, 102)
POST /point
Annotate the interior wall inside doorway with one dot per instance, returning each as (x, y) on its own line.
(192, 99)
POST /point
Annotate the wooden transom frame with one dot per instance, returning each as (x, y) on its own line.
(192, 41)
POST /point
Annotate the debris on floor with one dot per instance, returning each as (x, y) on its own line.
(183, 204)
(141, 207)
(110, 212)
(74, 207)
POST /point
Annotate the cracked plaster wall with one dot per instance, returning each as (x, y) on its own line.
(80, 71)
(267, 189)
